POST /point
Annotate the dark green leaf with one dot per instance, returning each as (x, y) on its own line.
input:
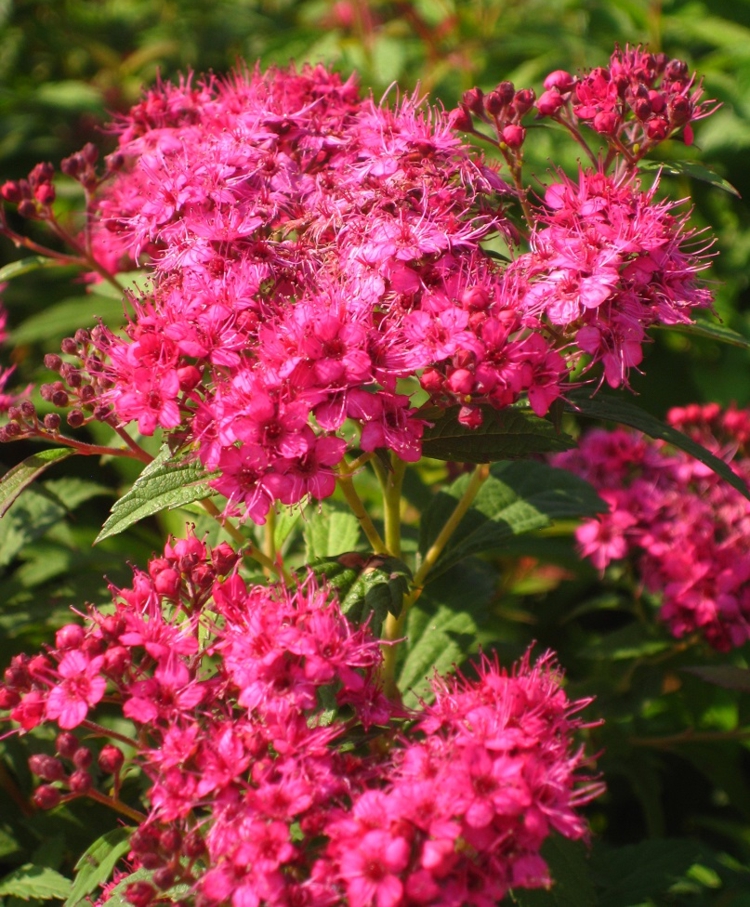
(441, 628)
(25, 266)
(22, 475)
(507, 434)
(613, 409)
(692, 169)
(711, 332)
(627, 642)
(38, 882)
(30, 517)
(572, 885)
(97, 863)
(368, 587)
(726, 676)
(640, 872)
(516, 498)
(164, 484)
(66, 317)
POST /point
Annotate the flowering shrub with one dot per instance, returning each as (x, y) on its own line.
(334, 290)
(686, 530)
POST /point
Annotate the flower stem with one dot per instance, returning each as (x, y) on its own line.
(358, 509)
(247, 546)
(117, 805)
(391, 481)
(393, 628)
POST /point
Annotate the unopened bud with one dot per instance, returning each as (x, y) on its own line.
(111, 759)
(46, 767)
(46, 797)
(80, 781)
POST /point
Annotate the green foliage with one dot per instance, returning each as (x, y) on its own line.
(165, 483)
(503, 435)
(674, 828)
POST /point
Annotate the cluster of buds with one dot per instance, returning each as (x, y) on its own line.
(33, 196)
(637, 101)
(503, 107)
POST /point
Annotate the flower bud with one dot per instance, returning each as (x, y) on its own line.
(46, 797)
(46, 767)
(11, 192)
(474, 100)
(561, 80)
(549, 103)
(51, 421)
(460, 119)
(80, 782)
(69, 637)
(140, 894)
(83, 757)
(513, 136)
(111, 759)
(524, 101)
(66, 744)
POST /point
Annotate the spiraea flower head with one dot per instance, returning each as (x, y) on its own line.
(683, 527)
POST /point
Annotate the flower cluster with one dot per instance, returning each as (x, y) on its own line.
(686, 530)
(277, 771)
(317, 272)
(608, 261)
(637, 101)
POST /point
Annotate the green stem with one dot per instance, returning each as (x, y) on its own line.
(391, 482)
(478, 478)
(247, 546)
(354, 501)
(393, 629)
(269, 536)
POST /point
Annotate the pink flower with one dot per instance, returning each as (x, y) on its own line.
(81, 688)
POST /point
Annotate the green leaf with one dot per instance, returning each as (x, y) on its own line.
(727, 676)
(70, 94)
(572, 884)
(97, 863)
(26, 265)
(164, 484)
(116, 897)
(330, 530)
(368, 587)
(30, 517)
(66, 317)
(640, 872)
(441, 628)
(613, 409)
(23, 474)
(507, 434)
(131, 281)
(692, 169)
(38, 882)
(710, 331)
(625, 643)
(516, 498)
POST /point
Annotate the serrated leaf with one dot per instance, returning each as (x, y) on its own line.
(516, 498)
(507, 434)
(572, 885)
(441, 628)
(330, 530)
(612, 409)
(116, 897)
(25, 266)
(710, 332)
(23, 474)
(38, 882)
(97, 863)
(164, 484)
(727, 676)
(368, 587)
(640, 872)
(378, 590)
(692, 169)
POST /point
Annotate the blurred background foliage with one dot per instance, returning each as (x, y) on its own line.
(675, 757)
